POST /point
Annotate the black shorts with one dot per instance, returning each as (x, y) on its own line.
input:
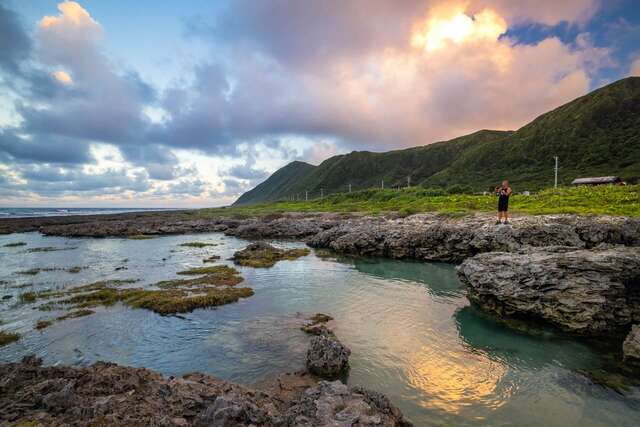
(503, 204)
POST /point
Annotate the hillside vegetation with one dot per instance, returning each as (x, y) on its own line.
(597, 134)
(601, 200)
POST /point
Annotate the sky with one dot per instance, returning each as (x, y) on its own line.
(190, 103)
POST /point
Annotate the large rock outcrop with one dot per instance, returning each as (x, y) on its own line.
(109, 394)
(584, 291)
(438, 238)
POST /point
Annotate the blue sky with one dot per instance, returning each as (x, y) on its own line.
(190, 103)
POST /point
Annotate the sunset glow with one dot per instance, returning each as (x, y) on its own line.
(453, 25)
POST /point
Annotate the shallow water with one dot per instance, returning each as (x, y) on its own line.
(411, 330)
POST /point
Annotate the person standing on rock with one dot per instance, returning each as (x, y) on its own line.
(503, 192)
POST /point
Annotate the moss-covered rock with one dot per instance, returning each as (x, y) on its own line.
(8, 338)
(263, 255)
(197, 244)
(14, 244)
(212, 258)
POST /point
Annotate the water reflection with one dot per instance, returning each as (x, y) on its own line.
(535, 350)
(439, 278)
(411, 330)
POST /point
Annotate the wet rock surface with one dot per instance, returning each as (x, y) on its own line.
(585, 291)
(109, 394)
(327, 357)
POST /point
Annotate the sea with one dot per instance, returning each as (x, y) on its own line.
(39, 212)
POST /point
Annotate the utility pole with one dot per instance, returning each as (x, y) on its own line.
(408, 181)
(383, 184)
(349, 188)
(306, 195)
(321, 193)
(555, 185)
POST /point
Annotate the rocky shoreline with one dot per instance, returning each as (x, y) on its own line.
(109, 394)
(430, 237)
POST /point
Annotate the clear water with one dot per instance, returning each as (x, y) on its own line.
(412, 333)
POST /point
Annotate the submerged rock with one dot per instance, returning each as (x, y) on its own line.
(631, 345)
(109, 394)
(327, 357)
(318, 324)
(584, 291)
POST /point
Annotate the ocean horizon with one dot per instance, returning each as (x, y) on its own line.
(53, 211)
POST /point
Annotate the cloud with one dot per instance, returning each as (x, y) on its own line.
(325, 77)
(546, 12)
(47, 180)
(47, 149)
(247, 171)
(111, 103)
(15, 45)
(635, 68)
(452, 72)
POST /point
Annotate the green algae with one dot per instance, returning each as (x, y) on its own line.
(221, 270)
(38, 270)
(140, 237)
(171, 302)
(214, 288)
(197, 244)
(43, 324)
(50, 249)
(8, 338)
(75, 314)
(14, 245)
(218, 275)
(30, 272)
(260, 255)
(26, 297)
(212, 258)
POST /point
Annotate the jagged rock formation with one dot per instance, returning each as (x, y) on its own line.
(583, 291)
(425, 236)
(109, 394)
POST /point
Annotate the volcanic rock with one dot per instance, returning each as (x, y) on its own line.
(584, 291)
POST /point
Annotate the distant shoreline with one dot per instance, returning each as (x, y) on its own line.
(47, 212)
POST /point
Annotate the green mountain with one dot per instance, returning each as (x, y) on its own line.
(594, 135)
(280, 184)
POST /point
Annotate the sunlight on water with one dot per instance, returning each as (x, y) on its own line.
(412, 332)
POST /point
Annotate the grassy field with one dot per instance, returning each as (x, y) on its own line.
(601, 200)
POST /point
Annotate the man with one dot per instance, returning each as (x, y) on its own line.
(503, 192)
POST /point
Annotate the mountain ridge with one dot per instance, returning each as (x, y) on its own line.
(595, 134)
